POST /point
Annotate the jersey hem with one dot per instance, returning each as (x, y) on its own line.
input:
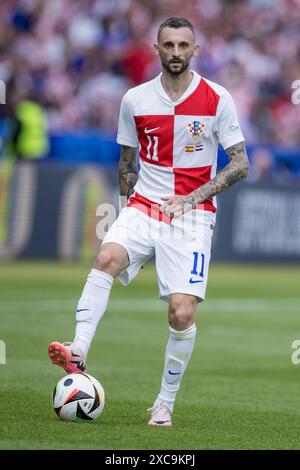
(152, 209)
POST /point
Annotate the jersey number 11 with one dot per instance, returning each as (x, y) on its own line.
(152, 148)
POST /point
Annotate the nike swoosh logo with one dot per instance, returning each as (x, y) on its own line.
(173, 373)
(194, 281)
(147, 131)
(82, 310)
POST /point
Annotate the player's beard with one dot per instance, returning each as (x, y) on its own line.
(184, 65)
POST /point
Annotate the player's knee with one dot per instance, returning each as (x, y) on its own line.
(182, 314)
(107, 262)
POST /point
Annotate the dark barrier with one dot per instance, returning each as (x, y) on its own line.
(53, 212)
(258, 222)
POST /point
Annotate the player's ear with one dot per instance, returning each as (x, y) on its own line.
(155, 48)
(196, 50)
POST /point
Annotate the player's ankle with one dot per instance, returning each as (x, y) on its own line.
(168, 403)
(81, 347)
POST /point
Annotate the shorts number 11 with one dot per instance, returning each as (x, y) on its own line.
(195, 266)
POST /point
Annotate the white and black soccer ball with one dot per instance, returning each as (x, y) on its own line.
(78, 397)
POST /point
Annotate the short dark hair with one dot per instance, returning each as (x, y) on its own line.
(175, 22)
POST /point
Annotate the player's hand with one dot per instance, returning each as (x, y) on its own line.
(175, 206)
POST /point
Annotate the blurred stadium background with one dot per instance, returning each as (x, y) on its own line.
(66, 65)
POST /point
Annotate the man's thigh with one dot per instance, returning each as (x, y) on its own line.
(182, 262)
(132, 232)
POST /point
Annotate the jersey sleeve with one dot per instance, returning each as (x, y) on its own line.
(228, 128)
(127, 133)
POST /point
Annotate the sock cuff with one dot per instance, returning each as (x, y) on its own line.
(100, 278)
(188, 333)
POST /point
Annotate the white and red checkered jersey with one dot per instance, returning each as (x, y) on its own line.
(177, 140)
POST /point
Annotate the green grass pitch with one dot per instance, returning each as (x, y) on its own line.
(241, 390)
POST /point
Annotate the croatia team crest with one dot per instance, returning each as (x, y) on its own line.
(195, 128)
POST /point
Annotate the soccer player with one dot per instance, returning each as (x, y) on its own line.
(177, 121)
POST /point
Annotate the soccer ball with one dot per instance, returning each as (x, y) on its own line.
(78, 397)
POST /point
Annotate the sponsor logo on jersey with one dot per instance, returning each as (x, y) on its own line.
(195, 129)
(147, 131)
(195, 281)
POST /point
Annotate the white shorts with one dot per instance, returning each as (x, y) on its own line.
(182, 251)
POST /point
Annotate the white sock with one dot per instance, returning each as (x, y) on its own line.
(178, 352)
(91, 307)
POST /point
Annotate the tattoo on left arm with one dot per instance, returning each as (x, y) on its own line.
(128, 171)
(236, 170)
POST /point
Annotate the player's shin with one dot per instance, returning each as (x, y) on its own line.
(91, 307)
(178, 352)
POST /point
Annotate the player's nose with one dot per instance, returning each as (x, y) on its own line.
(176, 52)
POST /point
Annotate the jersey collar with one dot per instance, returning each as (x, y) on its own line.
(190, 89)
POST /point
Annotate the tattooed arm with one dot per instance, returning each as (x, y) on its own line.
(128, 172)
(236, 170)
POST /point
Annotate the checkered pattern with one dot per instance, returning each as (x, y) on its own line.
(178, 141)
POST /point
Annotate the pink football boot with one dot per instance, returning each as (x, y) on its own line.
(67, 356)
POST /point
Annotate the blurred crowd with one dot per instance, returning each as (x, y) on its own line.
(78, 57)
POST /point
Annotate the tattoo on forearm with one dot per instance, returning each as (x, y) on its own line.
(128, 172)
(236, 170)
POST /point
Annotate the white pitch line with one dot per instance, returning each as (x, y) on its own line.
(154, 305)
